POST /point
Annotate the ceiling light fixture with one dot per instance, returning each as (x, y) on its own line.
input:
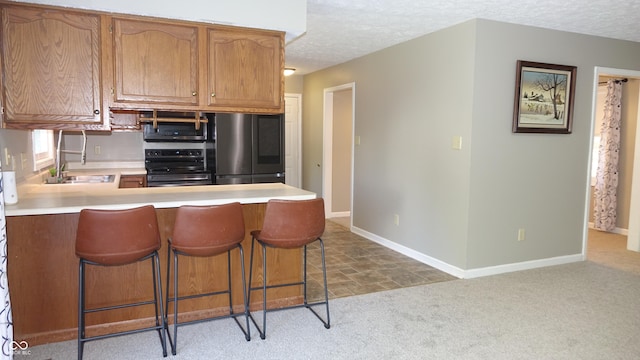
(289, 71)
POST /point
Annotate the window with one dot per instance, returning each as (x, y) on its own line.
(43, 149)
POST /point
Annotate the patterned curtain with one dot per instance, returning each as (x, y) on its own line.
(605, 200)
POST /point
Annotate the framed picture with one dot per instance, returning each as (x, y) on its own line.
(544, 98)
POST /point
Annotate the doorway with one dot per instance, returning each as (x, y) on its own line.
(292, 142)
(632, 165)
(338, 127)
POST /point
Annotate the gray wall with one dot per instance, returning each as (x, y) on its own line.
(464, 207)
(293, 84)
(410, 100)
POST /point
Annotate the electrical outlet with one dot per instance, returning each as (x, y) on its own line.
(396, 220)
(97, 150)
(7, 158)
(520, 234)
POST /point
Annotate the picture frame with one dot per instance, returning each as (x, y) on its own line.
(544, 98)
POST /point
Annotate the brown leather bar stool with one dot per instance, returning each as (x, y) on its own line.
(206, 231)
(114, 238)
(290, 224)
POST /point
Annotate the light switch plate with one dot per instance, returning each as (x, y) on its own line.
(456, 142)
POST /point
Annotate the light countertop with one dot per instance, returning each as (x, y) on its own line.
(43, 199)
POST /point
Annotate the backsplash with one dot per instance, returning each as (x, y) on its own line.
(116, 146)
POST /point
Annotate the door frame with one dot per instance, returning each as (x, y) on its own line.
(327, 146)
(298, 142)
(633, 236)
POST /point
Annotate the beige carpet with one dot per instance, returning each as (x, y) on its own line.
(610, 250)
(582, 311)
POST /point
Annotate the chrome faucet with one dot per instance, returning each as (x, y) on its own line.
(59, 151)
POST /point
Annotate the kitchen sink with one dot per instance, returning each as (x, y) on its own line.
(87, 179)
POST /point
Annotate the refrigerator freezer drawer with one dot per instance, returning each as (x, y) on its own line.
(268, 178)
(233, 179)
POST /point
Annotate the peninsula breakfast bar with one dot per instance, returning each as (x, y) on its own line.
(43, 268)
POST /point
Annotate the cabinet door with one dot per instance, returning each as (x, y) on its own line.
(51, 68)
(155, 63)
(244, 70)
(133, 181)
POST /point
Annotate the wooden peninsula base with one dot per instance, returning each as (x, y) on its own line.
(43, 279)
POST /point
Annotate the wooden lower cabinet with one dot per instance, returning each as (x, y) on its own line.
(43, 279)
(132, 181)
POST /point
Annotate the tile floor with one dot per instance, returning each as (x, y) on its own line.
(356, 265)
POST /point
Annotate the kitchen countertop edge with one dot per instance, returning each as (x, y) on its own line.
(40, 201)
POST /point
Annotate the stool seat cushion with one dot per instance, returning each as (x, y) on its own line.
(117, 237)
(208, 230)
(292, 223)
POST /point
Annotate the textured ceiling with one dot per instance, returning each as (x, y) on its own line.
(341, 30)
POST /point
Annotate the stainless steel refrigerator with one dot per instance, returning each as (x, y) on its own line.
(249, 148)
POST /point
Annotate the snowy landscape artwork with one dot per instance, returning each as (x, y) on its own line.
(544, 98)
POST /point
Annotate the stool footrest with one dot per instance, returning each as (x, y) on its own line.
(122, 306)
(277, 286)
(195, 296)
(128, 332)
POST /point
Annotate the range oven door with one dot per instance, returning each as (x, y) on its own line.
(177, 166)
(179, 179)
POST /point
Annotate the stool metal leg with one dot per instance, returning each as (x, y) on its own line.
(157, 297)
(166, 315)
(327, 324)
(157, 302)
(247, 332)
(81, 310)
(304, 276)
(264, 287)
(174, 341)
(264, 294)
(173, 338)
(264, 291)
(244, 294)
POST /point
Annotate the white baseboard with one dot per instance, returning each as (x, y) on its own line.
(339, 214)
(525, 265)
(471, 273)
(440, 265)
(617, 230)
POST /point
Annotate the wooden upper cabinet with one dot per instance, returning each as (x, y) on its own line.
(68, 69)
(244, 70)
(155, 64)
(51, 69)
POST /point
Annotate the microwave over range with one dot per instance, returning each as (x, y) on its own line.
(222, 149)
(177, 126)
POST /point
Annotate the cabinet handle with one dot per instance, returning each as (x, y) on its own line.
(194, 93)
(96, 112)
(213, 94)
